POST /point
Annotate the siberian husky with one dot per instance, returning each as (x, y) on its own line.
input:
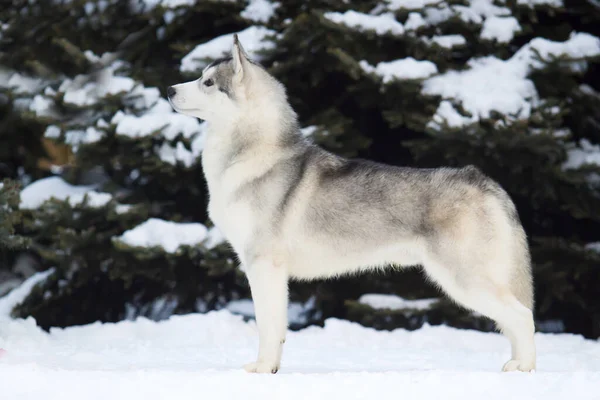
(293, 210)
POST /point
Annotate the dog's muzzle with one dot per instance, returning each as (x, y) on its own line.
(171, 91)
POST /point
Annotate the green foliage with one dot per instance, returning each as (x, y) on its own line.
(354, 113)
(9, 217)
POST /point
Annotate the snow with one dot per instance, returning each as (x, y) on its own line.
(449, 41)
(297, 312)
(77, 137)
(259, 10)
(145, 5)
(54, 187)
(594, 246)
(410, 4)
(123, 208)
(214, 238)
(143, 97)
(166, 234)
(160, 118)
(478, 10)
(41, 105)
(475, 12)
(393, 302)
(447, 114)
(586, 154)
(414, 21)
(254, 39)
(491, 84)
(52, 132)
(23, 84)
(381, 24)
(405, 68)
(17, 295)
(180, 154)
(243, 307)
(83, 91)
(579, 46)
(501, 29)
(202, 354)
(309, 130)
(532, 3)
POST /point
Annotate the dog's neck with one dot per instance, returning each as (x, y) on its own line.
(250, 146)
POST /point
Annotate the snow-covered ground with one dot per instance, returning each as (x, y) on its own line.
(200, 356)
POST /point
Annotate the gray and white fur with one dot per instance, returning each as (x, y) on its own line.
(293, 210)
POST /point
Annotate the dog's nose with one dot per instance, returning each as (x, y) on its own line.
(171, 91)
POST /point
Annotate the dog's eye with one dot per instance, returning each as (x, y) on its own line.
(208, 82)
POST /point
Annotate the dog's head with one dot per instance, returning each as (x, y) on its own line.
(228, 89)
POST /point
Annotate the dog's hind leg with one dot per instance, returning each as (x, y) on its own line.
(269, 286)
(478, 291)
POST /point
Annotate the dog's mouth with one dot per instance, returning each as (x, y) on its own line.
(181, 109)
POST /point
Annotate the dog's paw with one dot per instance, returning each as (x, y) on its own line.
(518, 365)
(261, 368)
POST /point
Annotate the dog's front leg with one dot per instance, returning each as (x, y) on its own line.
(269, 286)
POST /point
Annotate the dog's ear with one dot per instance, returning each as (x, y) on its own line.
(240, 58)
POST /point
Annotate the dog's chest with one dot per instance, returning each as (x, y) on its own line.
(234, 219)
(230, 213)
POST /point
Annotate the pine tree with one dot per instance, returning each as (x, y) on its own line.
(10, 242)
(412, 83)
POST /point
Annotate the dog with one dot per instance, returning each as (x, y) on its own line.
(292, 210)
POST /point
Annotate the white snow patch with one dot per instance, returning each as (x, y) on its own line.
(594, 246)
(166, 234)
(17, 295)
(586, 154)
(214, 238)
(393, 302)
(52, 132)
(82, 91)
(449, 41)
(41, 105)
(533, 3)
(414, 21)
(410, 4)
(54, 187)
(92, 135)
(475, 12)
(253, 39)
(447, 114)
(260, 10)
(494, 84)
(24, 84)
(501, 29)
(180, 154)
(147, 5)
(203, 353)
(144, 97)
(405, 68)
(77, 137)
(381, 24)
(243, 307)
(123, 208)
(309, 130)
(160, 118)
(297, 312)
